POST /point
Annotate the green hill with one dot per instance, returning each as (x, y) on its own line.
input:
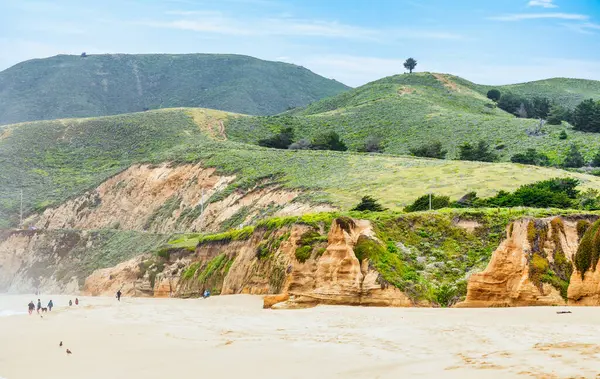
(407, 111)
(54, 160)
(564, 91)
(97, 85)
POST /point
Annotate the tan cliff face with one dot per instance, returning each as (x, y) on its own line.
(264, 264)
(166, 198)
(532, 266)
(585, 286)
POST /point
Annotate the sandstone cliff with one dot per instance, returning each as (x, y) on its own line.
(532, 266)
(585, 281)
(293, 260)
(167, 197)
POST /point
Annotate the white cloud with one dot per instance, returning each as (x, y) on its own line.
(542, 3)
(534, 16)
(583, 28)
(218, 23)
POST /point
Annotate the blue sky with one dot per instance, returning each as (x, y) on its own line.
(353, 41)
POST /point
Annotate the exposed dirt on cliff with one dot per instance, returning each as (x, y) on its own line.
(532, 266)
(167, 198)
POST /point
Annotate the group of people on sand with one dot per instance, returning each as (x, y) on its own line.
(32, 307)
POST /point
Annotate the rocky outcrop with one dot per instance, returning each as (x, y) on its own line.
(266, 264)
(340, 278)
(532, 266)
(166, 198)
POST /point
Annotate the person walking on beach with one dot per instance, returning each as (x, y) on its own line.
(76, 301)
(50, 305)
(119, 295)
(31, 307)
(70, 302)
(39, 305)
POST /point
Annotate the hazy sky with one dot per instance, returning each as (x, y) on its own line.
(353, 41)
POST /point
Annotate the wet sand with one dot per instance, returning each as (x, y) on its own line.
(231, 336)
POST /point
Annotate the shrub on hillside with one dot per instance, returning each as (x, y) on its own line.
(302, 144)
(586, 116)
(557, 114)
(279, 141)
(574, 159)
(481, 152)
(532, 157)
(589, 200)
(367, 203)
(422, 203)
(430, 150)
(328, 141)
(596, 160)
(562, 135)
(494, 95)
(372, 145)
(552, 193)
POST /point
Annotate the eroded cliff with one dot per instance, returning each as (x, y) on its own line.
(167, 197)
(532, 266)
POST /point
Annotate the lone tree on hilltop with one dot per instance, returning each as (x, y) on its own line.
(494, 95)
(410, 64)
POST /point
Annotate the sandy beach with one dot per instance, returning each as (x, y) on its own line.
(231, 336)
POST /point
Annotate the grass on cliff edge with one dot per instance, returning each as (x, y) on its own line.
(55, 160)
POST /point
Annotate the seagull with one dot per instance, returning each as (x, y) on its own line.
(60, 344)
(69, 351)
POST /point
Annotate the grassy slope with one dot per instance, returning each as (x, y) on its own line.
(71, 86)
(564, 91)
(53, 160)
(410, 110)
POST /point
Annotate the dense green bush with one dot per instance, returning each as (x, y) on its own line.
(422, 203)
(494, 95)
(281, 140)
(372, 145)
(563, 135)
(588, 251)
(532, 157)
(480, 152)
(586, 117)
(558, 114)
(573, 159)
(328, 141)
(430, 150)
(552, 193)
(368, 203)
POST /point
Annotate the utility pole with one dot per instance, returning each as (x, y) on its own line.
(430, 201)
(21, 212)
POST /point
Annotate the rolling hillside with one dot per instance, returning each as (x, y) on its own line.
(97, 85)
(565, 91)
(56, 160)
(407, 111)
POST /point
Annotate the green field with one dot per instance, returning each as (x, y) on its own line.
(54, 160)
(99, 85)
(407, 111)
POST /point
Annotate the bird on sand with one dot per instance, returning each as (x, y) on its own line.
(60, 344)
(69, 351)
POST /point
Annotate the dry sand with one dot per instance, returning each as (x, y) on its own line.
(232, 337)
